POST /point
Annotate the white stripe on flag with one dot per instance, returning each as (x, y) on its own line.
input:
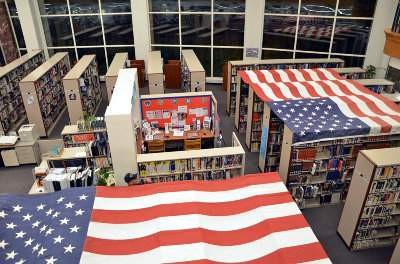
(318, 89)
(187, 197)
(336, 89)
(298, 74)
(362, 106)
(344, 108)
(268, 76)
(320, 261)
(382, 105)
(395, 125)
(284, 76)
(314, 76)
(199, 251)
(302, 90)
(264, 87)
(191, 221)
(327, 74)
(351, 87)
(285, 90)
(374, 127)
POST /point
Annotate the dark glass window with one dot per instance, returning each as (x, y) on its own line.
(115, 6)
(169, 53)
(196, 29)
(222, 56)
(100, 57)
(204, 56)
(112, 50)
(303, 55)
(351, 61)
(164, 29)
(23, 51)
(71, 53)
(57, 31)
(279, 32)
(163, 5)
(275, 54)
(318, 7)
(357, 8)
(281, 6)
(228, 30)
(84, 6)
(118, 29)
(18, 32)
(12, 8)
(51, 7)
(314, 34)
(233, 6)
(87, 30)
(351, 36)
(196, 6)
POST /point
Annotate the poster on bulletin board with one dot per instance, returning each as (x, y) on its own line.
(178, 111)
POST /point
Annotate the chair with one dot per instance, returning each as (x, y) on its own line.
(155, 146)
(190, 144)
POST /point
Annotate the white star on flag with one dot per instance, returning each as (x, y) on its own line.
(69, 205)
(49, 231)
(79, 212)
(21, 261)
(35, 248)
(3, 244)
(61, 199)
(292, 110)
(302, 133)
(29, 242)
(51, 260)
(64, 221)
(43, 228)
(58, 239)
(20, 234)
(17, 208)
(83, 197)
(27, 217)
(68, 249)
(11, 255)
(55, 215)
(74, 229)
(49, 212)
(305, 109)
(40, 207)
(36, 224)
(3, 214)
(10, 225)
(41, 251)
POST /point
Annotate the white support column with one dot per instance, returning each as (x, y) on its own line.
(29, 15)
(254, 27)
(141, 28)
(384, 15)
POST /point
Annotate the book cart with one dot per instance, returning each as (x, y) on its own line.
(155, 73)
(371, 214)
(378, 85)
(235, 66)
(43, 93)
(119, 62)
(193, 74)
(82, 88)
(12, 111)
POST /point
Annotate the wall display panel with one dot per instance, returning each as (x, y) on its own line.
(118, 29)
(163, 6)
(53, 7)
(275, 54)
(57, 31)
(233, 6)
(351, 61)
(115, 6)
(314, 34)
(111, 51)
(196, 6)
(279, 32)
(318, 7)
(169, 53)
(222, 56)
(84, 6)
(281, 6)
(164, 28)
(196, 29)
(204, 56)
(228, 30)
(357, 8)
(18, 32)
(87, 30)
(351, 36)
(71, 53)
(100, 57)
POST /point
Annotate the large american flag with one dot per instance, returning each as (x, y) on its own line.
(250, 219)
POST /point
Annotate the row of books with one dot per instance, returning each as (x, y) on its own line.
(382, 198)
(60, 178)
(378, 210)
(372, 243)
(377, 233)
(386, 185)
(387, 172)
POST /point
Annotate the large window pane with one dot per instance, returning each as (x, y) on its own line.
(357, 8)
(275, 54)
(100, 57)
(314, 34)
(281, 6)
(87, 30)
(204, 56)
(303, 55)
(318, 7)
(57, 31)
(163, 5)
(351, 36)
(351, 61)
(18, 32)
(84, 6)
(112, 50)
(196, 5)
(230, 5)
(228, 30)
(115, 6)
(12, 8)
(71, 53)
(169, 53)
(118, 29)
(51, 7)
(222, 56)
(164, 29)
(196, 29)
(279, 32)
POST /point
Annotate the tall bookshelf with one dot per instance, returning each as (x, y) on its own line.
(12, 112)
(379, 86)
(255, 114)
(82, 88)
(371, 214)
(155, 73)
(352, 73)
(235, 66)
(242, 102)
(119, 62)
(193, 74)
(43, 93)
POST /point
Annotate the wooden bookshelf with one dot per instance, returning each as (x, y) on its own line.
(43, 93)
(255, 110)
(119, 62)
(82, 88)
(235, 66)
(193, 73)
(352, 73)
(242, 103)
(155, 73)
(378, 85)
(12, 112)
(371, 214)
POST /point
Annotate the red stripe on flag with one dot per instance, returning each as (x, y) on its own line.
(306, 75)
(321, 75)
(335, 74)
(343, 87)
(294, 90)
(310, 89)
(292, 77)
(385, 127)
(195, 235)
(214, 186)
(277, 91)
(261, 76)
(210, 209)
(328, 90)
(276, 76)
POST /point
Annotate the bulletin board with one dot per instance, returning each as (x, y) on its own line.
(177, 110)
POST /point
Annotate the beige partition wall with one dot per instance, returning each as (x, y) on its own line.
(193, 74)
(155, 73)
(43, 93)
(119, 62)
(82, 88)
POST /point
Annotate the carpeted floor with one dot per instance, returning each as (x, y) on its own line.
(323, 221)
